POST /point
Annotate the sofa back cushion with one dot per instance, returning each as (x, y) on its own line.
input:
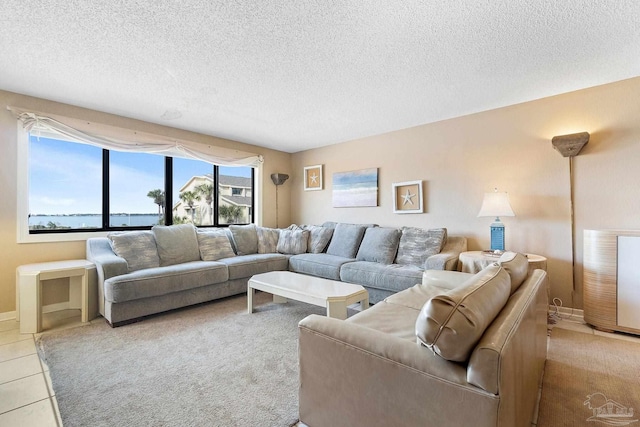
(293, 242)
(346, 240)
(245, 238)
(177, 244)
(517, 265)
(138, 248)
(267, 240)
(379, 244)
(214, 244)
(319, 238)
(418, 244)
(453, 322)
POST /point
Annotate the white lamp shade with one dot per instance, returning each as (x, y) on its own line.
(496, 204)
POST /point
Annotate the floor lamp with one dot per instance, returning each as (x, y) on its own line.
(570, 146)
(278, 179)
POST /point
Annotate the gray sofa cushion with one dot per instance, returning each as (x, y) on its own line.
(418, 244)
(244, 266)
(319, 265)
(293, 241)
(245, 238)
(153, 282)
(346, 240)
(176, 243)
(388, 277)
(214, 244)
(319, 238)
(138, 248)
(267, 240)
(379, 244)
(453, 322)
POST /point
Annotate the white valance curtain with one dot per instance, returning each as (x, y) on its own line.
(130, 141)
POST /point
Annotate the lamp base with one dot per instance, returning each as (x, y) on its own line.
(497, 236)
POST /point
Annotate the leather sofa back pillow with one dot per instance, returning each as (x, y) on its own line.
(452, 323)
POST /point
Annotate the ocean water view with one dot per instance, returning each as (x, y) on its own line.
(92, 221)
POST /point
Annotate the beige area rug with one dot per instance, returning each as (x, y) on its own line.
(590, 381)
(208, 365)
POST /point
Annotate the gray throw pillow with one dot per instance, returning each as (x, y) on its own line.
(267, 240)
(177, 244)
(379, 244)
(245, 238)
(418, 244)
(214, 245)
(319, 238)
(346, 240)
(138, 248)
(293, 242)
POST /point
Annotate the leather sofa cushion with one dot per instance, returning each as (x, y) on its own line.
(379, 244)
(517, 265)
(453, 322)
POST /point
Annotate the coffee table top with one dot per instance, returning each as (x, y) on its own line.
(308, 285)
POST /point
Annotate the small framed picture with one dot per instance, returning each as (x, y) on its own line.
(407, 197)
(313, 178)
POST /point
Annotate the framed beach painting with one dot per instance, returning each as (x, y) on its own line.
(313, 178)
(407, 197)
(356, 188)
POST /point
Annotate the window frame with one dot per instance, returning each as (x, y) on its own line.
(26, 235)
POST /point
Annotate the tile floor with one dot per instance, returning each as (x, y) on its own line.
(27, 398)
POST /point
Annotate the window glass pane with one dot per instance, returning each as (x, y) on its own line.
(134, 181)
(234, 199)
(65, 184)
(193, 192)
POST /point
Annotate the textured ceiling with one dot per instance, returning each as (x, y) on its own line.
(293, 75)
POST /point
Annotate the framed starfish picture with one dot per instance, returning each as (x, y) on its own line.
(313, 178)
(407, 197)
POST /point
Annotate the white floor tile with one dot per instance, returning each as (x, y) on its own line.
(8, 325)
(47, 378)
(14, 335)
(19, 368)
(17, 349)
(57, 410)
(22, 392)
(38, 414)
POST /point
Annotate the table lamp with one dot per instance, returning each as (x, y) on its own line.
(496, 204)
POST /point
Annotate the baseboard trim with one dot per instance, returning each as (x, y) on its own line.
(9, 315)
(567, 312)
(56, 307)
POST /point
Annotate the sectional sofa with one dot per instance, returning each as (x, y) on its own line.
(455, 350)
(147, 272)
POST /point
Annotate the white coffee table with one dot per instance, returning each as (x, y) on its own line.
(336, 296)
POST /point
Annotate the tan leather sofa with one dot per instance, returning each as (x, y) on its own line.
(388, 365)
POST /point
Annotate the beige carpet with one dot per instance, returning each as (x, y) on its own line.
(209, 365)
(588, 379)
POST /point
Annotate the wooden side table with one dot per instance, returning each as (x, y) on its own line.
(474, 261)
(83, 290)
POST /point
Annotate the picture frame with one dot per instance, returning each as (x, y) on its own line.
(407, 197)
(313, 180)
(355, 188)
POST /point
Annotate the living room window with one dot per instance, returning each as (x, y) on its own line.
(75, 187)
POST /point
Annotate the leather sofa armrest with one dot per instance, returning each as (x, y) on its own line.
(447, 259)
(353, 375)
